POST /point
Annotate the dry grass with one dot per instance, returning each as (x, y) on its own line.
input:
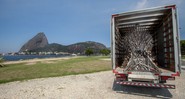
(24, 71)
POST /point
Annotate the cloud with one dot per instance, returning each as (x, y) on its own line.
(110, 10)
(141, 4)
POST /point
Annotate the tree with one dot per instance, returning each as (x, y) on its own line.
(182, 45)
(105, 52)
(88, 52)
(1, 60)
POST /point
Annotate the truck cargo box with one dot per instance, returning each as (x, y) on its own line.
(146, 41)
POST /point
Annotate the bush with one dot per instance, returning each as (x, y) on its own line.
(88, 52)
(105, 52)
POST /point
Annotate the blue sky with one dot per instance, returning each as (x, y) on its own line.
(67, 21)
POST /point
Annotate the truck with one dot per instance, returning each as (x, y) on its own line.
(145, 47)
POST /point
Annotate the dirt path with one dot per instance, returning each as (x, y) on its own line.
(86, 86)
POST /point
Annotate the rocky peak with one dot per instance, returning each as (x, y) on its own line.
(38, 41)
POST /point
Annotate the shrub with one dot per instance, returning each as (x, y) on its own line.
(88, 52)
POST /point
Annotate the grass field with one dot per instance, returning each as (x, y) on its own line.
(183, 57)
(62, 67)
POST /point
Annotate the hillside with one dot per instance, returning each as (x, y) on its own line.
(54, 47)
(82, 46)
(39, 44)
(38, 41)
(73, 48)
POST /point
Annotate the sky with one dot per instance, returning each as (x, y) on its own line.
(67, 21)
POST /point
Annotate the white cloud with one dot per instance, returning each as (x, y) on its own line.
(109, 10)
(141, 4)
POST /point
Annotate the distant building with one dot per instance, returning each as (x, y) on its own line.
(22, 53)
(73, 54)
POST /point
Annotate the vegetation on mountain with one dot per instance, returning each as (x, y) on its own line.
(83, 46)
(54, 47)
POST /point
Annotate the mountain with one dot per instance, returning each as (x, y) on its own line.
(73, 48)
(54, 47)
(82, 46)
(38, 41)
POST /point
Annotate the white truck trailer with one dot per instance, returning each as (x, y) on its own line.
(145, 47)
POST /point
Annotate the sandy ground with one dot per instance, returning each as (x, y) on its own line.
(107, 59)
(91, 86)
(33, 61)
